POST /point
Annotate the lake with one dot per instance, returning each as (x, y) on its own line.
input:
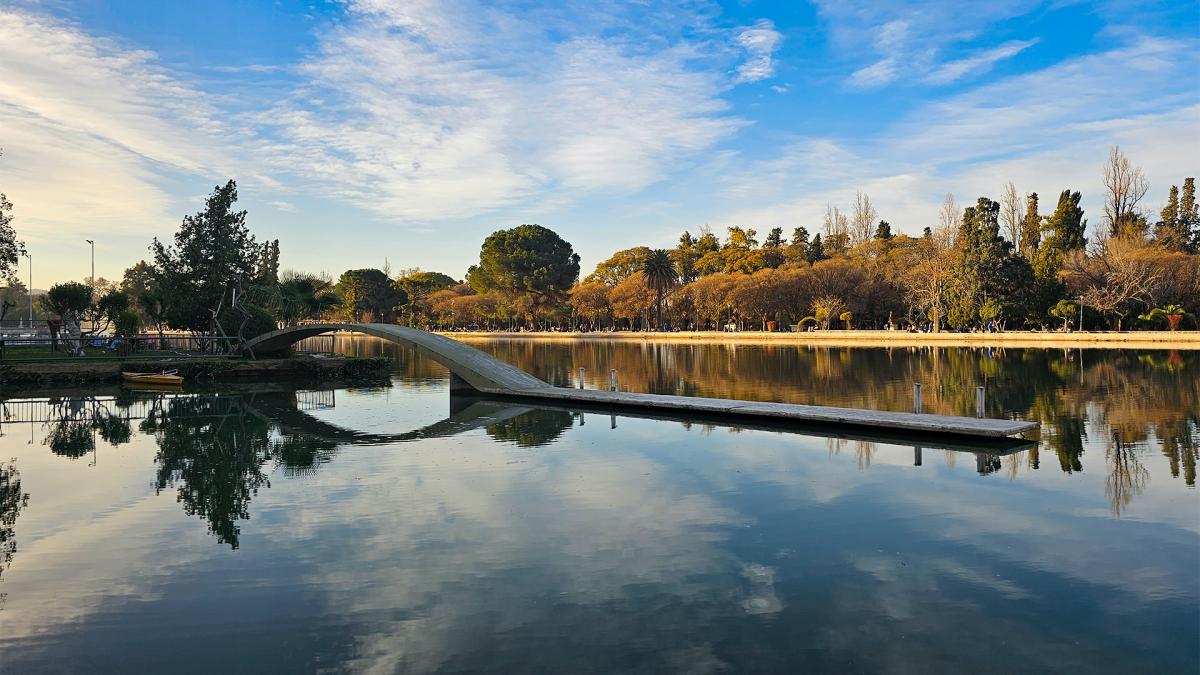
(309, 527)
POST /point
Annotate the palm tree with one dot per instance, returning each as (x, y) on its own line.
(661, 276)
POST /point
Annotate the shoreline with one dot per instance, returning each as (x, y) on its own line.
(195, 369)
(1189, 340)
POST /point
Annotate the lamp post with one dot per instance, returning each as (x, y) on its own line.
(92, 281)
(30, 289)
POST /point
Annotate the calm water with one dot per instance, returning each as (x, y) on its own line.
(259, 528)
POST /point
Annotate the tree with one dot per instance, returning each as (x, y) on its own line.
(836, 227)
(11, 249)
(529, 265)
(590, 300)
(686, 254)
(949, 222)
(988, 275)
(816, 250)
(660, 275)
(268, 263)
(629, 300)
(418, 286)
(69, 300)
(1189, 214)
(1012, 213)
(1121, 277)
(741, 239)
(774, 238)
(1064, 310)
(1125, 186)
(884, 231)
(212, 262)
(862, 219)
(929, 283)
(800, 237)
(1031, 227)
(368, 295)
(620, 266)
(302, 297)
(1064, 234)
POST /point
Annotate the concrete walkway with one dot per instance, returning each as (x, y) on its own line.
(474, 371)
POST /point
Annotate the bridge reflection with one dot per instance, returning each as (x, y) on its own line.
(217, 450)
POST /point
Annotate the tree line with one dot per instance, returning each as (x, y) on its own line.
(992, 265)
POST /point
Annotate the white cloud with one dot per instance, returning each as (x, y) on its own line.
(441, 111)
(877, 74)
(90, 126)
(952, 71)
(760, 43)
(1023, 128)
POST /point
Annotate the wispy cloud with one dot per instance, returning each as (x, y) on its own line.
(952, 71)
(1019, 128)
(760, 43)
(441, 111)
(90, 126)
(877, 74)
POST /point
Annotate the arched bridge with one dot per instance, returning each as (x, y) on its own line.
(470, 369)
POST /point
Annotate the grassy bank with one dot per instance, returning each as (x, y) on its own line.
(878, 338)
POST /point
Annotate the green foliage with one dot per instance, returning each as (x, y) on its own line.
(989, 280)
(1172, 315)
(11, 249)
(883, 231)
(248, 321)
(816, 250)
(368, 294)
(529, 264)
(68, 298)
(660, 274)
(1031, 227)
(774, 238)
(126, 323)
(213, 256)
(1064, 310)
(301, 297)
(620, 266)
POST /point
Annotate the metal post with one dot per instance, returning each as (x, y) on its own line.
(581, 378)
(916, 455)
(612, 380)
(979, 402)
(613, 421)
(917, 397)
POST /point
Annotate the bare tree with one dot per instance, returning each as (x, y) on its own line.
(1012, 213)
(949, 221)
(862, 219)
(1119, 277)
(928, 284)
(837, 231)
(1125, 186)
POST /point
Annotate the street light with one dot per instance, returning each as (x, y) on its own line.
(92, 282)
(30, 289)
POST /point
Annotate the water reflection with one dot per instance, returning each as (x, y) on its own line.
(450, 539)
(1151, 399)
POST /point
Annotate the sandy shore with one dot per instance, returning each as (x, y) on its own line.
(875, 338)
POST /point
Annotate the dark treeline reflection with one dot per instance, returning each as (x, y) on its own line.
(217, 451)
(1128, 401)
(12, 500)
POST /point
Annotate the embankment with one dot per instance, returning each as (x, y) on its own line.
(109, 370)
(880, 338)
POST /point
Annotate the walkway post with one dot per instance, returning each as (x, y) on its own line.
(917, 397)
(581, 377)
(612, 380)
(979, 402)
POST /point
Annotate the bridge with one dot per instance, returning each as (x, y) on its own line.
(473, 372)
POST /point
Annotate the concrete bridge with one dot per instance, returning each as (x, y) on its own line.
(474, 372)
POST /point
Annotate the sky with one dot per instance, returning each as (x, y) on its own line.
(371, 132)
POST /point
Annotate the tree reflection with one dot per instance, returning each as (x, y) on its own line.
(215, 451)
(12, 500)
(1127, 477)
(533, 429)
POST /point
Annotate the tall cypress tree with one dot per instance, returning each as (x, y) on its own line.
(1031, 227)
(1188, 215)
(990, 280)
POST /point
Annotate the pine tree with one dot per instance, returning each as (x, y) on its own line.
(883, 231)
(800, 237)
(816, 250)
(774, 238)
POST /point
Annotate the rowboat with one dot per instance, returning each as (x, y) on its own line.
(167, 378)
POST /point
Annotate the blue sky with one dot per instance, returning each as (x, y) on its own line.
(361, 131)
